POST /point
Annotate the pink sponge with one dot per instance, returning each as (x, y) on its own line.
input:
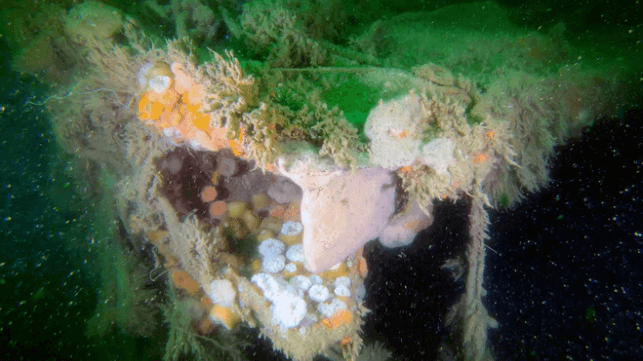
(403, 228)
(341, 211)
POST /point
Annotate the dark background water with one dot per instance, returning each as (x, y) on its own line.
(44, 298)
(47, 289)
(564, 269)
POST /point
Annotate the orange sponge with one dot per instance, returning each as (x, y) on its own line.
(342, 317)
(183, 281)
(225, 316)
(179, 106)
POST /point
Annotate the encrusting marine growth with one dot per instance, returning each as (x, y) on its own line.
(172, 102)
(254, 196)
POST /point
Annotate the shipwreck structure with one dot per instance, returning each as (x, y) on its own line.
(254, 186)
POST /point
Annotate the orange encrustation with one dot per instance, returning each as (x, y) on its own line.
(340, 318)
(225, 316)
(209, 194)
(183, 281)
(217, 209)
(179, 107)
(480, 158)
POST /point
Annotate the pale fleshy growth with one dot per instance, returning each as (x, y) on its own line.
(291, 228)
(301, 282)
(288, 310)
(288, 307)
(274, 264)
(318, 293)
(342, 291)
(395, 130)
(403, 228)
(342, 281)
(271, 247)
(295, 253)
(329, 309)
(268, 285)
(291, 268)
(222, 293)
(341, 210)
(342, 286)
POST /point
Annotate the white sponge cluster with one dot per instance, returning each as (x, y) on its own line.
(328, 309)
(273, 259)
(288, 306)
(271, 247)
(292, 228)
(317, 292)
(342, 286)
(295, 253)
(301, 282)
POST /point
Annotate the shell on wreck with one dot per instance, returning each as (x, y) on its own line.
(155, 76)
